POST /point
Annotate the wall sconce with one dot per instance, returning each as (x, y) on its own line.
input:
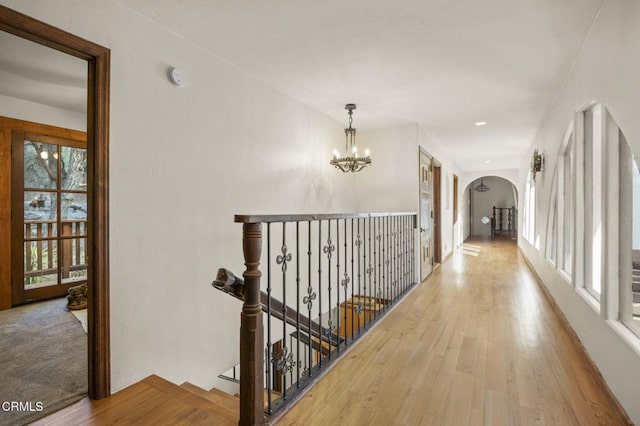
(537, 163)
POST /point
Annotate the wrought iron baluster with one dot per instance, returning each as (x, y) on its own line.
(409, 280)
(400, 247)
(319, 294)
(397, 255)
(268, 363)
(358, 244)
(404, 248)
(308, 300)
(345, 284)
(298, 362)
(352, 276)
(379, 270)
(366, 249)
(329, 249)
(338, 284)
(286, 360)
(385, 239)
(392, 260)
(368, 266)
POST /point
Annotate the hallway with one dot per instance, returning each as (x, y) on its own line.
(476, 343)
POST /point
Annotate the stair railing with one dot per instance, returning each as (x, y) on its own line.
(342, 271)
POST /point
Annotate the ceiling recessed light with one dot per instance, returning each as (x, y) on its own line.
(480, 123)
(487, 161)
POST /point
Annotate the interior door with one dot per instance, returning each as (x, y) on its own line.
(49, 215)
(426, 215)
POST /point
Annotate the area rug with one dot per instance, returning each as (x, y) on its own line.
(43, 361)
(81, 315)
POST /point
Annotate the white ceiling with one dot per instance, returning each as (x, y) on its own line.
(35, 73)
(443, 64)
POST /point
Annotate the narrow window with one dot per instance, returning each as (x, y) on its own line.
(552, 223)
(629, 238)
(593, 201)
(565, 207)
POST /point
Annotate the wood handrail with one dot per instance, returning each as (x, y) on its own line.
(252, 218)
(228, 283)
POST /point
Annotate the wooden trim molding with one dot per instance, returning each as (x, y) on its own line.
(597, 375)
(98, 59)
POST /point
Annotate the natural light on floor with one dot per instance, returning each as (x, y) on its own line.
(470, 249)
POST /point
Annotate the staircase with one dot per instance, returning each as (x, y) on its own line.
(152, 401)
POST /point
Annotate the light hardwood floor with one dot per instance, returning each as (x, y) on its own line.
(477, 343)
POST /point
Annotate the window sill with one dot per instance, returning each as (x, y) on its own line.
(566, 277)
(629, 337)
(588, 297)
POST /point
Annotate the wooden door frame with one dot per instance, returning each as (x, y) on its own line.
(98, 59)
(437, 224)
(422, 151)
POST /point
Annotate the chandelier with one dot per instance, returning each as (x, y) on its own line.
(482, 187)
(351, 162)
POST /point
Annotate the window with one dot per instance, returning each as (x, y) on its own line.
(530, 210)
(552, 223)
(593, 200)
(629, 238)
(565, 206)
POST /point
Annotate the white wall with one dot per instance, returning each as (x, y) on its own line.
(183, 161)
(45, 114)
(606, 70)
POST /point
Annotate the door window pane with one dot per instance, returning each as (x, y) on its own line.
(40, 205)
(40, 263)
(74, 205)
(74, 169)
(74, 265)
(40, 165)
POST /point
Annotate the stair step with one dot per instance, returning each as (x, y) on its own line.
(152, 400)
(216, 396)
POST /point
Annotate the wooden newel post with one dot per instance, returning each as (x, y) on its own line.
(251, 331)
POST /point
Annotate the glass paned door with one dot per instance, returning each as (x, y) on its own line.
(50, 215)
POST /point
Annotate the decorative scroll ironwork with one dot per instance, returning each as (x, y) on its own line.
(284, 361)
(360, 307)
(329, 332)
(329, 248)
(284, 258)
(345, 281)
(309, 298)
(358, 242)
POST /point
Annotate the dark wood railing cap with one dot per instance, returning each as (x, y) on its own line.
(259, 218)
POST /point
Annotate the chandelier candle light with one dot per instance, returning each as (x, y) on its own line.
(351, 162)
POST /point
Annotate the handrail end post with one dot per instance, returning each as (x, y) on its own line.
(251, 331)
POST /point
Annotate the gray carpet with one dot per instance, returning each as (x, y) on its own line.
(43, 358)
